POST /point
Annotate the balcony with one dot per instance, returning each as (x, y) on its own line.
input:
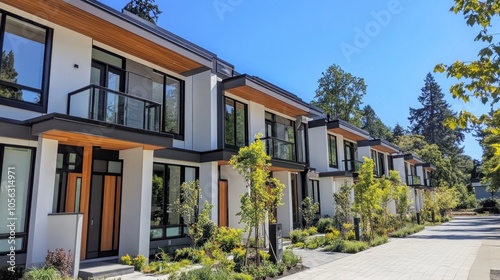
(352, 165)
(105, 105)
(280, 149)
(431, 183)
(413, 180)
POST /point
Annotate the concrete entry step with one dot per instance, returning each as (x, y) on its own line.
(97, 270)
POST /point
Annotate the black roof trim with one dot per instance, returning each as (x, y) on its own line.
(16, 129)
(337, 174)
(427, 165)
(178, 154)
(240, 80)
(338, 123)
(156, 30)
(317, 123)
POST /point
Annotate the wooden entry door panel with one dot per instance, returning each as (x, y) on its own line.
(223, 204)
(104, 216)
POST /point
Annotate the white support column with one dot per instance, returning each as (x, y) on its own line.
(136, 201)
(285, 211)
(209, 181)
(42, 198)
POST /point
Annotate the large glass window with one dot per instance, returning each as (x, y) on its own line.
(166, 189)
(280, 137)
(332, 151)
(15, 188)
(235, 123)
(350, 156)
(313, 192)
(24, 63)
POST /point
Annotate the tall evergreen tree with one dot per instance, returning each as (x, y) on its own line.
(374, 125)
(398, 131)
(145, 9)
(340, 94)
(429, 120)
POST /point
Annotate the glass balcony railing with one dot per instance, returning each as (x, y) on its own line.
(102, 104)
(280, 149)
(414, 180)
(352, 165)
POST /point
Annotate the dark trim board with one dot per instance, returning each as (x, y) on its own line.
(80, 125)
(217, 155)
(16, 129)
(337, 174)
(178, 154)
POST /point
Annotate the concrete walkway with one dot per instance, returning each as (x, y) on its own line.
(465, 248)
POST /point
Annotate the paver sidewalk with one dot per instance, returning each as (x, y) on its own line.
(441, 252)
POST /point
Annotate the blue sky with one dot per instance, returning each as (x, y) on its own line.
(391, 44)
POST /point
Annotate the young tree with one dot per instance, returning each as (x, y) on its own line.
(374, 125)
(446, 199)
(145, 9)
(187, 207)
(253, 164)
(429, 120)
(340, 94)
(309, 210)
(342, 200)
(367, 196)
(400, 195)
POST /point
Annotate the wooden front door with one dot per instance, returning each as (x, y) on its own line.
(104, 216)
(223, 203)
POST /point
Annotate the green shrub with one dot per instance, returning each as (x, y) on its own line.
(9, 273)
(379, 240)
(290, 259)
(350, 235)
(189, 253)
(204, 273)
(312, 230)
(239, 259)
(298, 235)
(242, 276)
(139, 261)
(354, 246)
(409, 229)
(47, 273)
(335, 246)
(60, 260)
(323, 224)
(229, 238)
(126, 260)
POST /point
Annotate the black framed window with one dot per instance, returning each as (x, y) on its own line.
(280, 137)
(314, 193)
(25, 62)
(295, 197)
(350, 156)
(16, 177)
(166, 189)
(332, 151)
(235, 123)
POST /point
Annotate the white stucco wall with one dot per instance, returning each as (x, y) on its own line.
(236, 188)
(136, 201)
(204, 112)
(318, 148)
(42, 197)
(256, 120)
(284, 212)
(209, 178)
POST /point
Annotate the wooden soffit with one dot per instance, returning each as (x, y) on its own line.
(258, 91)
(113, 35)
(348, 134)
(89, 140)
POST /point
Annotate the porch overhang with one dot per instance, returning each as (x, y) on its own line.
(379, 145)
(412, 159)
(427, 166)
(338, 174)
(120, 31)
(83, 132)
(272, 97)
(340, 127)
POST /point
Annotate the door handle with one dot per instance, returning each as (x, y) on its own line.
(92, 221)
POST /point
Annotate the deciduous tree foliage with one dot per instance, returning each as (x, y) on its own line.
(264, 192)
(340, 94)
(145, 9)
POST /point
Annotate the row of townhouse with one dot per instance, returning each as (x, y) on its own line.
(96, 104)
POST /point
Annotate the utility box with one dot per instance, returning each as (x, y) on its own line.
(275, 242)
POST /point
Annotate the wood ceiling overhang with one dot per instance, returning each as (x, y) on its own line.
(244, 87)
(108, 28)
